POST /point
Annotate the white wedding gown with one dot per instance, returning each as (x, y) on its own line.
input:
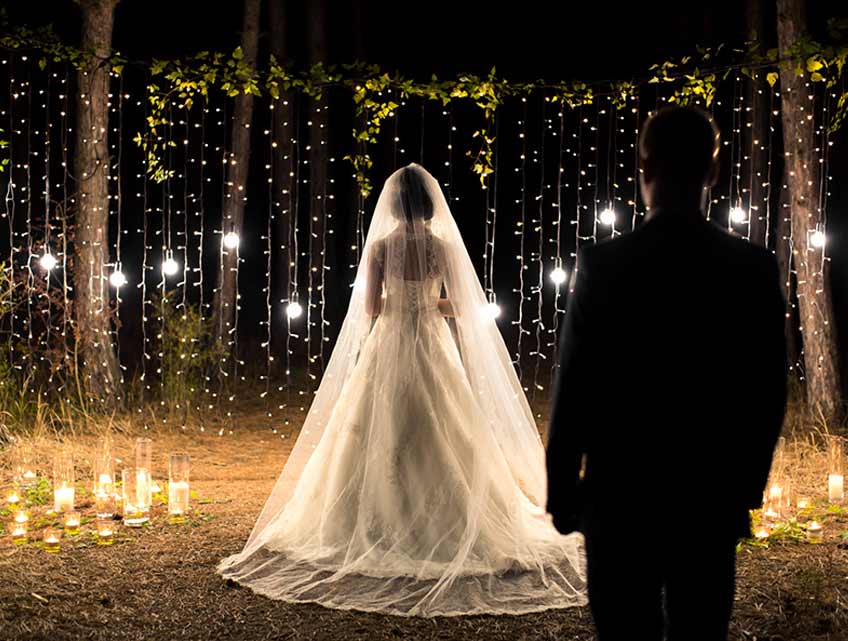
(407, 502)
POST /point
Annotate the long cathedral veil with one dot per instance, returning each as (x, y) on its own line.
(404, 248)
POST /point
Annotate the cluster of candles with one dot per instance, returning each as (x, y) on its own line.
(135, 495)
(778, 500)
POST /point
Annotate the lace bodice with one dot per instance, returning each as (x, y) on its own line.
(406, 289)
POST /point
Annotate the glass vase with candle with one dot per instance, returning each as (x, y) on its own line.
(63, 482)
(136, 507)
(20, 526)
(23, 467)
(105, 531)
(52, 539)
(104, 505)
(815, 532)
(178, 488)
(835, 476)
(19, 533)
(104, 470)
(144, 472)
(72, 522)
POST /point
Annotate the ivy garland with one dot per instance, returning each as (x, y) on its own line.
(377, 94)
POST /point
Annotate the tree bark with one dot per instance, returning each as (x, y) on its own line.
(814, 299)
(97, 363)
(283, 166)
(316, 17)
(238, 162)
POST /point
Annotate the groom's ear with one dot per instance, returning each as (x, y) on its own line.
(646, 169)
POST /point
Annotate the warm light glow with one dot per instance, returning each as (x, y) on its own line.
(48, 261)
(13, 498)
(493, 310)
(558, 276)
(231, 240)
(607, 217)
(761, 533)
(170, 267)
(738, 215)
(815, 532)
(117, 279)
(294, 310)
(818, 239)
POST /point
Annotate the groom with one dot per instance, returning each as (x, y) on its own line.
(670, 398)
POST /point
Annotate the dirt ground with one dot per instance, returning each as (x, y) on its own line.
(160, 582)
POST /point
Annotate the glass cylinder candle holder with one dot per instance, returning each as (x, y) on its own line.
(105, 531)
(835, 477)
(104, 470)
(13, 499)
(21, 518)
(815, 532)
(72, 522)
(52, 539)
(804, 503)
(179, 465)
(136, 506)
(144, 473)
(23, 467)
(104, 505)
(762, 532)
(19, 533)
(63, 482)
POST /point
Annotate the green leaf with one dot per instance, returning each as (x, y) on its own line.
(771, 78)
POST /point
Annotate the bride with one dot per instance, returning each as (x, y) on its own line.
(416, 486)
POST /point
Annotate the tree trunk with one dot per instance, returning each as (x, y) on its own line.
(316, 17)
(226, 294)
(282, 133)
(757, 133)
(96, 353)
(814, 301)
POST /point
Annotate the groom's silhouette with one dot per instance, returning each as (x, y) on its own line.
(670, 397)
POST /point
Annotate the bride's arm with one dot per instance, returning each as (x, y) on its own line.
(374, 282)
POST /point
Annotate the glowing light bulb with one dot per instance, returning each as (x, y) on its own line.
(738, 215)
(294, 310)
(117, 279)
(492, 310)
(170, 267)
(818, 239)
(48, 261)
(231, 240)
(558, 276)
(607, 217)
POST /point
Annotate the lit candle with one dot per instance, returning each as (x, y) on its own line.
(13, 498)
(105, 531)
(804, 502)
(72, 522)
(815, 532)
(835, 488)
(63, 499)
(52, 539)
(104, 483)
(761, 533)
(21, 518)
(29, 475)
(178, 492)
(19, 534)
(775, 492)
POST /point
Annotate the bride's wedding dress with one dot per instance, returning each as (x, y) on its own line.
(416, 486)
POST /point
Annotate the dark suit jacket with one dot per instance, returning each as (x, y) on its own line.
(672, 381)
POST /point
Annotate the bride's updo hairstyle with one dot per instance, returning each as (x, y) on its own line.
(414, 202)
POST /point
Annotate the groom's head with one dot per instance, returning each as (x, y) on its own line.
(678, 158)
